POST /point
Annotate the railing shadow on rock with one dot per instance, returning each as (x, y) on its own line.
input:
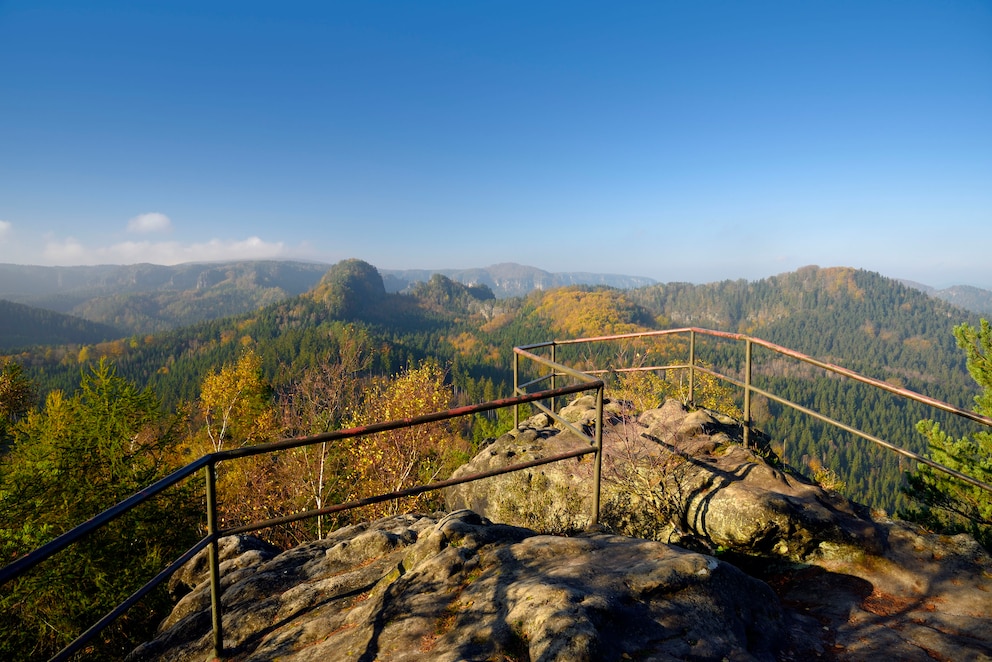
(543, 400)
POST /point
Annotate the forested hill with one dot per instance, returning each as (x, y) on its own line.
(25, 326)
(146, 298)
(860, 320)
(857, 319)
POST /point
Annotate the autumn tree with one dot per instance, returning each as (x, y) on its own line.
(236, 403)
(237, 409)
(945, 502)
(314, 404)
(649, 389)
(390, 461)
(582, 311)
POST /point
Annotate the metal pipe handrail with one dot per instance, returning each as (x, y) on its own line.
(587, 382)
(296, 442)
(853, 430)
(408, 492)
(32, 559)
(749, 388)
(779, 349)
(208, 463)
(877, 383)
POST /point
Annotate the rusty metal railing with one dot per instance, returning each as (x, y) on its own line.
(749, 389)
(587, 381)
(557, 369)
(208, 464)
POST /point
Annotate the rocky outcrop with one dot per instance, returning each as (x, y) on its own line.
(876, 586)
(456, 587)
(779, 569)
(670, 474)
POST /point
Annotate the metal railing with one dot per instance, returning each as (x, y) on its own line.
(749, 389)
(587, 381)
(208, 464)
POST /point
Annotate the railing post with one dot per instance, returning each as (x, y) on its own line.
(598, 467)
(214, 560)
(554, 375)
(692, 367)
(747, 393)
(516, 389)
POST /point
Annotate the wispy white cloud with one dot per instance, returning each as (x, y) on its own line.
(71, 251)
(5, 227)
(151, 222)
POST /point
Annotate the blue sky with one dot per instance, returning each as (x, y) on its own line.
(683, 141)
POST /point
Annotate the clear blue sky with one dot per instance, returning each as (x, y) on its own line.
(678, 140)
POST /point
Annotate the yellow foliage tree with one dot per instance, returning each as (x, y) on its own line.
(315, 404)
(391, 461)
(237, 410)
(648, 389)
(578, 312)
(236, 404)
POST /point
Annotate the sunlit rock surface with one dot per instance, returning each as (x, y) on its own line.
(782, 569)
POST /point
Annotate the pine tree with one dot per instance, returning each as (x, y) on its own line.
(945, 502)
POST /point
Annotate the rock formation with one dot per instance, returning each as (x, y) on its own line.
(781, 569)
(669, 474)
(682, 476)
(456, 587)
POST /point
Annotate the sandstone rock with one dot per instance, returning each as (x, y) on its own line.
(233, 552)
(678, 468)
(856, 587)
(815, 576)
(456, 587)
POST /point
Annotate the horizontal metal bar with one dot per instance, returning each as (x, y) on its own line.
(885, 386)
(521, 388)
(95, 629)
(412, 491)
(558, 367)
(621, 336)
(864, 435)
(32, 559)
(296, 442)
(567, 424)
(878, 383)
(539, 345)
(648, 368)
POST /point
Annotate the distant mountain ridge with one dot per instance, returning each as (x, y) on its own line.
(509, 279)
(147, 298)
(61, 286)
(970, 298)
